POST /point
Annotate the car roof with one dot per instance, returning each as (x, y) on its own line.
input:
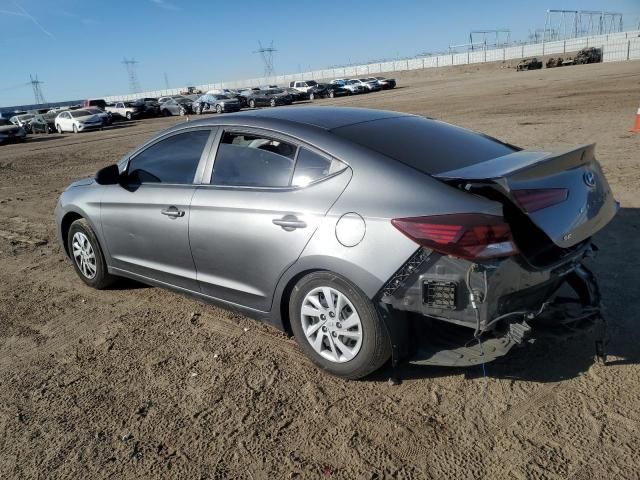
(326, 118)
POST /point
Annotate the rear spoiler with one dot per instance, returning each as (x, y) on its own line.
(518, 164)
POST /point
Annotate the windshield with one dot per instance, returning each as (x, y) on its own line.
(183, 100)
(312, 83)
(22, 118)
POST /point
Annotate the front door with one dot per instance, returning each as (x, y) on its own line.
(266, 199)
(145, 222)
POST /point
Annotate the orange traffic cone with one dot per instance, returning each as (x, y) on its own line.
(636, 127)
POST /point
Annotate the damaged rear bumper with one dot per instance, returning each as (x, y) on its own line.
(447, 311)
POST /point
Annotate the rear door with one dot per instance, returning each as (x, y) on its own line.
(145, 222)
(266, 197)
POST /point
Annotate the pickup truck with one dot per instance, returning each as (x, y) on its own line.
(303, 86)
(127, 110)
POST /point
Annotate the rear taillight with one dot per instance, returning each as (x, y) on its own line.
(473, 236)
(532, 200)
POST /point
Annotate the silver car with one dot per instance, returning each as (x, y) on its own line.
(369, 235)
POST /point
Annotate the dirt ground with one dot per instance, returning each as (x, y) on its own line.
(139, 382)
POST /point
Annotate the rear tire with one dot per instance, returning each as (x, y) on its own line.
(86, 255)
(352, 341)
(129, 116)
(272, 102)
(218, 108)
(252, 103)
(332, 94)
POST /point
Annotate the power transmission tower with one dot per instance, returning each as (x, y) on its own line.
(130, 65)
(37, 91)
(166, 81)
(267, 58)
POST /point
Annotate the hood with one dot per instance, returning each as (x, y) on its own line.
(84, 182)
(89, 118)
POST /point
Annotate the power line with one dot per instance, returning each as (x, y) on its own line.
(266, 53)
(134, 84)
(37, 91)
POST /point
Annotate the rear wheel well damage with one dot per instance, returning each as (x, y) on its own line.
(65, 225)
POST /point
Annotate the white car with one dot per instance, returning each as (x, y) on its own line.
(351, 85)
(126, 110)
(77, 121)
(371, 86)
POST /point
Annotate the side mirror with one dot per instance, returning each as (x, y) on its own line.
(108, 175)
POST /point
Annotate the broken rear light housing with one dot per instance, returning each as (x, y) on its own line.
(532, 200)
(473, 236)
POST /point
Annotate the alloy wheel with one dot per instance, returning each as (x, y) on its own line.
(84, 255)
(331, 324)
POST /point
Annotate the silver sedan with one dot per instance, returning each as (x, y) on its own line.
(369, 235)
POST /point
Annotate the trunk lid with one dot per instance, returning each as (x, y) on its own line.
(587, 208)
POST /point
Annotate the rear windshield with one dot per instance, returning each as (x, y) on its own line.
(430, 146)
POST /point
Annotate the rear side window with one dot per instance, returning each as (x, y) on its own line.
(173, 160)
(430, 146)
(253, 161)
(311, 166)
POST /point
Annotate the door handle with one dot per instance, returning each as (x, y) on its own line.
(289, 223)
(172, 212)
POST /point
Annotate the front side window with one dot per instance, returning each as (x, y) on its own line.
(173, 160)
(245, 160)
(311, 166)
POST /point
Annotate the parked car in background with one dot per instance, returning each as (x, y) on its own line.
(296, 95)
(215, 103)
(9, 132)
(107, 117)
(386, 83)
(44, 123)
(176, 106)
(351, 85)
(370, 86)
(303, 85)
(23, 120)
(128, 110)
(327, 90)
(77, 121)
(162, 100)
(95, 102)
(149, 106)
(271, 98)
(231, 93)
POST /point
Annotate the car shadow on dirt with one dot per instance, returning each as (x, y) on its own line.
(556, 359)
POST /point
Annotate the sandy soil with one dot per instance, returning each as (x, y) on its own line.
(139, 382)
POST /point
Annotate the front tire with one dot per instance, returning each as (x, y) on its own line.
(218, 108)
(75, 128)
(59, 128)
(312, 96)
(272, 102)
(86, 255)
(129, 116)
(337, 326)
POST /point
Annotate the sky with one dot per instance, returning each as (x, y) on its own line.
(76, 46)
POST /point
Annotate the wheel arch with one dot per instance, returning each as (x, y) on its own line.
(365, 281)
(65, 226)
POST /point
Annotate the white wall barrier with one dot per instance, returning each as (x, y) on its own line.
(616, 47)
